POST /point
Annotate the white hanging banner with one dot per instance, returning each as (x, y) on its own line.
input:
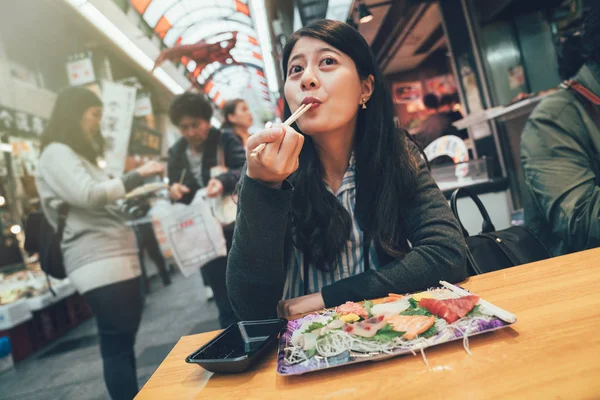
(119, 105)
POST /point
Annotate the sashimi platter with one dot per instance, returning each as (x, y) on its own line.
(373, 330)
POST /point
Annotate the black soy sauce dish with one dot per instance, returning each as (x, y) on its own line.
(239, 346)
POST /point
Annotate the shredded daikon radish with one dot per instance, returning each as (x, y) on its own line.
(466, 327)
(420, 344)
(424, 358)
(334, 343)
(295, 355)
(366, 346)
(466, 338)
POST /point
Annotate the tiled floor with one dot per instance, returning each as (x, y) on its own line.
(71, 368)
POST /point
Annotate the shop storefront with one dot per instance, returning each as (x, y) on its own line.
(31, 315)
(488, 67)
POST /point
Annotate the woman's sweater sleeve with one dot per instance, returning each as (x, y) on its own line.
(66, 174)
(438, 251)
(256, 267)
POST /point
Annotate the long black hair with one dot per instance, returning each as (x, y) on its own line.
(65, 123)
(385, 167)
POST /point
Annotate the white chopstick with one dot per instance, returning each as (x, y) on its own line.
(297, 114)
(495, 310)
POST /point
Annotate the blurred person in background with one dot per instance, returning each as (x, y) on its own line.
(99, 250)
(560, 151)
(435, 125)
(449, 105)
(237, 120)
(191, 159)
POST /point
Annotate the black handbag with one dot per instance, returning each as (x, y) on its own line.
(51, 258)
(493, 250)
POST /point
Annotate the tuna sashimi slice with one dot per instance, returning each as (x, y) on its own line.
(451, 309)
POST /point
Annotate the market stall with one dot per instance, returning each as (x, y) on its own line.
(31, 316)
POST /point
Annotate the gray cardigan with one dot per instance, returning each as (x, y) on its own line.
(95, 228)
(256, 269)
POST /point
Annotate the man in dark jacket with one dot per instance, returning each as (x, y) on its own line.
(560, 154)
(193, 156)
(191, 160)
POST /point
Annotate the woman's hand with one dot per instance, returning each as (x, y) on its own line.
(177, 191)
(150, 169)
(214, 188)
(278, 160)
(300, 305)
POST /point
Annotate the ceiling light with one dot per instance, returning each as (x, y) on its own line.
(364, 15)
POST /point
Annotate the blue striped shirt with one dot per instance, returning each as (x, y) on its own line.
(352, 258)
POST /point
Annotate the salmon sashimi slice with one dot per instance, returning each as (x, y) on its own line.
(450, 309)
(411, 325)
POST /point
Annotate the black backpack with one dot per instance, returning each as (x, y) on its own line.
(51, 258)
(493, 250)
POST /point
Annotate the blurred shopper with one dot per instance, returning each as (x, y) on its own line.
(448, 106)
(190, 162)
(100, 251)
(437, 124)
(560, 154)
(237, 120)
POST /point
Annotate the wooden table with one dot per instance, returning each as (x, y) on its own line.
(552, 352)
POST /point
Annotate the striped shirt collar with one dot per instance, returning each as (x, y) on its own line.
(352, 257)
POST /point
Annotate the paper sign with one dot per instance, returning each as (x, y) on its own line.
(143, 106)
(407, 92)
(80, 72)
(119, 105)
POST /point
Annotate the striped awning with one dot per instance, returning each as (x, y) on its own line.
(240, 71)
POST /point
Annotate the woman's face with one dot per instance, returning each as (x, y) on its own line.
(90, 121)
(318, 73)
(242, 116)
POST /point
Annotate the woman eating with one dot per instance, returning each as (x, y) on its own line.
(340, 206)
